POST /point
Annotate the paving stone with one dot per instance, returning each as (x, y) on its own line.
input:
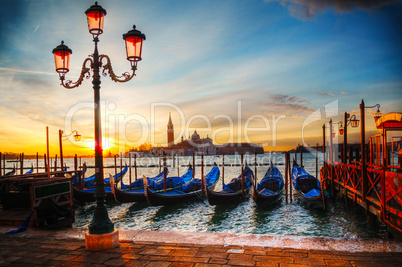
(159, 264)
(183, 252)
(190, 259)
(337, 263)
(116, 262)
(241, 263)
(246, 257)
(268, 264)
(218, 261)
(208, 254)
(181, 264)
(272, 259)
(136, 263)
(157, 252)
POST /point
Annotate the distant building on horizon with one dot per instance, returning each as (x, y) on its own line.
(197, 145)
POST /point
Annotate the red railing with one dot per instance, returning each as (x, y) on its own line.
(386, 205)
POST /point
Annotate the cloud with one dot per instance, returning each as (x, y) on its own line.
(307, 9)
(325, 93)
(291, 106)
(343, 93)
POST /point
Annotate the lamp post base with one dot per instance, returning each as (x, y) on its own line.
(100, 242)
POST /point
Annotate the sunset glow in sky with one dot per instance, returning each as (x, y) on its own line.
(235, 70)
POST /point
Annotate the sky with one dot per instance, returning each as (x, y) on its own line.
(269, 72)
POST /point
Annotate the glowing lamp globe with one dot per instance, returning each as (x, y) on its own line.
(62, 58)
(134, 40)
(341, 131)
(77, 137)
(95, 15)
(354, 122)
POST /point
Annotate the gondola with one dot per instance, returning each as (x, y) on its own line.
(269, 190)
(88, 194)
(187, 193)
(233, 192)
(30, 170)
(12, 172)
(307, 186)
(137, 194)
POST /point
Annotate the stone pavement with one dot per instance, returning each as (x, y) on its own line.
(67, 248)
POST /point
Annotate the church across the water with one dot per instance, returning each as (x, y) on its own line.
(197, 145)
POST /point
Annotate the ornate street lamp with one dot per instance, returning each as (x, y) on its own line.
(77, 136)
(101, 224)
(344, 131)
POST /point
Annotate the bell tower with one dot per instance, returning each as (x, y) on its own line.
(170, 132)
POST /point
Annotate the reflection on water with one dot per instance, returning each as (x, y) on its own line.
(283, 219)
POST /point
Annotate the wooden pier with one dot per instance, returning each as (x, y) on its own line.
(370, 178)
(48, 200)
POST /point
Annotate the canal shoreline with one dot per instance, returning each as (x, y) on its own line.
(66, 247)
(353, 245)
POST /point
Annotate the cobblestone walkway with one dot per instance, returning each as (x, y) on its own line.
(25, 250)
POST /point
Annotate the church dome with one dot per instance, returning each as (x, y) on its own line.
(195, 136)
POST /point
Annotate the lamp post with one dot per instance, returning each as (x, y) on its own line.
(363, 143)
(77, 137)
(101, 224)
(344, 131)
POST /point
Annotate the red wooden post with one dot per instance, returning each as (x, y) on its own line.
(255, 170)
(286, 175)
(47, 149)
(363, 151)
(37, 162)
(121, 167)
(202, 174)
(82, 177)
(22, 163)
(61, 148)
(129, 169)
(115, 166)
(223, 169)
(55, 164)
(135, 167)
(290, 181)
(242, 174)
(164, 173)
(193, 165)
(384, 168)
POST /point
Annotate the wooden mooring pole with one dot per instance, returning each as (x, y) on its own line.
(255, 169)
(223, 169)
(129, 169)
(135, 167)
(193, 165)
(286, 176)
(202, 175)
(164, 172)
(22, 163)
(242, 174)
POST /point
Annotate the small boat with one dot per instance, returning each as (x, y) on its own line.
(269, 190)
(12, 172)
(234, 192)
(88, 194)
(137, 194)
(187, 193)
(307, 186)
(30, 171)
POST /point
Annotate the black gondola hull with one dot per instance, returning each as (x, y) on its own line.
(83, 197)
(264, 201)
(129, 197)
(155, 199)
(217, 198)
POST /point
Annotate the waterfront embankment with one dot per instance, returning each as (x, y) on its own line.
(158, 248)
